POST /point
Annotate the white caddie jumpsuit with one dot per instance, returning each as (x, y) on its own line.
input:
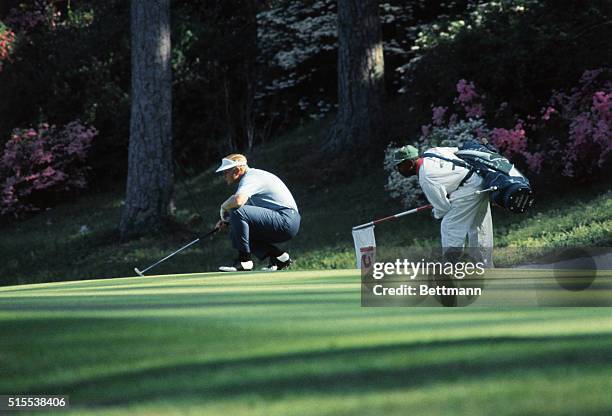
(464, 214)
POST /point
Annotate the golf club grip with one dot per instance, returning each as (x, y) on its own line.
(211, 232)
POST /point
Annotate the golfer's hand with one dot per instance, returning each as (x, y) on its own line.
(222, 225)
(223, 214)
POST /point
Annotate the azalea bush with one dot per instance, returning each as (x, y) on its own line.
(470, 107)
(570, 136)
(516, 51)
(7, 42)
(575, 128)
(41, 165)
(60, 70)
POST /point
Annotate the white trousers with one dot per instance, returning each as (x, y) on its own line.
(469, 217)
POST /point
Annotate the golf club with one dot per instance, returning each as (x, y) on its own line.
(414, 210)
(142, 272)
(491, 189)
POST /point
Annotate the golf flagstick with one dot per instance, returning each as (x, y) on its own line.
(142, 272)
(365, 242)
(393, 217)
(413, 211)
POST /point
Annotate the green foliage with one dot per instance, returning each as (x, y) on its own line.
(518, 51)
(243, 71)
(213, 63)
(575, 224)
(231, 90)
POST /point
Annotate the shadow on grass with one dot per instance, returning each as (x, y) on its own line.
(332, 371)
(178, 301)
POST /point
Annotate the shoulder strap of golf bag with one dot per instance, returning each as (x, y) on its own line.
(513, 189)
(484, 157)
(456, 162)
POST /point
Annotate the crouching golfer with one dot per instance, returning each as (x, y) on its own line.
(261, 212)
(450, 189)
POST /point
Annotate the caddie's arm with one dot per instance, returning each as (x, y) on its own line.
(436, 195)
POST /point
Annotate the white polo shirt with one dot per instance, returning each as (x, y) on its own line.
(265, 190)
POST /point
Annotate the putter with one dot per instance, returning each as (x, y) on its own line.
(142, 272)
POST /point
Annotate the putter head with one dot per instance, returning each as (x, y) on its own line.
(138, 271)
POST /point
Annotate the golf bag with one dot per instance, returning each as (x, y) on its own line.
(513, 189)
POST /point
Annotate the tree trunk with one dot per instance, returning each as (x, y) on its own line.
(150, 181)
(360, 77)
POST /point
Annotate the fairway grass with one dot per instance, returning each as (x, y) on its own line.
(294, 343)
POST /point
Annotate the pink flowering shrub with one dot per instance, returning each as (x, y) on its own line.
(39, 165)
(510, 141)
(584, 117)
(468, 102)
(7, 42)
(571, 136)
(437, 116)
(469, 99)
(23, 19)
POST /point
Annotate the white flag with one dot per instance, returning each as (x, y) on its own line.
(364, 243)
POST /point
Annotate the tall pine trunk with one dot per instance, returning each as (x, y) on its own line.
(360, 77)
(150, 181)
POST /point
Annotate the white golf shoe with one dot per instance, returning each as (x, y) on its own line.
(239, 266)
(278, 263)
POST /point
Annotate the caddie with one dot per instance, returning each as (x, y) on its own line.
(261, 213)
(450, 189)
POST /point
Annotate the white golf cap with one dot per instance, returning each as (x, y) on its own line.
(228, 164)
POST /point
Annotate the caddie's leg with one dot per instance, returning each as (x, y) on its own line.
(480, 235)
(459, 219)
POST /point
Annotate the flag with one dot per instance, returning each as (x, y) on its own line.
(365, 246)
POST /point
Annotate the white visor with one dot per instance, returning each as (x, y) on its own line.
(228, 164)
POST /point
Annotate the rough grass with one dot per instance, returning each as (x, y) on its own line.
(294, 343)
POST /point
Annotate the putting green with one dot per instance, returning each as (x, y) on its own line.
(296, 343)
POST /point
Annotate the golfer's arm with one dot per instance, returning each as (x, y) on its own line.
(234, 201)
